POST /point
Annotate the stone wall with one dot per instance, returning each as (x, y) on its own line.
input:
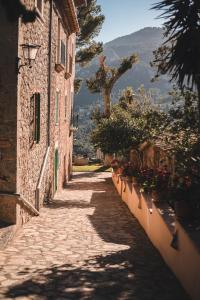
(8, 212)
(8, 103)
(30, 154)
(21, 166)
(61, 136)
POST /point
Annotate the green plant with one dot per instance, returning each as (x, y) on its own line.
(130, 124)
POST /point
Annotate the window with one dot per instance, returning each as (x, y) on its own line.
(62, 53)
(61, 49)
(58, 42)
(35, 118)
(70, 64)
(65, 107)
(57, 106)
(39, 6)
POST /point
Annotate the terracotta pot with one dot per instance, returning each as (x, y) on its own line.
(183, 210)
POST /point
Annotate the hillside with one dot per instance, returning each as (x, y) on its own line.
(142, 42)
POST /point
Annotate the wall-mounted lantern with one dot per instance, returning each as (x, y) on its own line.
(29, 55)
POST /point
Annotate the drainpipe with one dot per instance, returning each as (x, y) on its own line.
(45, 162)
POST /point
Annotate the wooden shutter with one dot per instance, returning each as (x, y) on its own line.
(32, 119)
(37, 117)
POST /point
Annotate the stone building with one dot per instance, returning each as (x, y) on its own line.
(36, 105)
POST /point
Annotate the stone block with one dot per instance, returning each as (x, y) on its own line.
(8, 208)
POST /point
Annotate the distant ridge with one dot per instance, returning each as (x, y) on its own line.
(140, 34)
(143, 42)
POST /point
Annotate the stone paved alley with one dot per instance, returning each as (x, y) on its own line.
(85, 245)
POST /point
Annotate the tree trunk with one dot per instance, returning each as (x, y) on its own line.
(106, 99)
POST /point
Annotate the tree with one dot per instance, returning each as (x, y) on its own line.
(179, 54)
(106, 77)
(130, 124)
(90, 21)
(116, 134)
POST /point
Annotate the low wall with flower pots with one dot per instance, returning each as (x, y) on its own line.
(179, 250)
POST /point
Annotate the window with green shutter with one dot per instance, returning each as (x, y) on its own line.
(37, 117)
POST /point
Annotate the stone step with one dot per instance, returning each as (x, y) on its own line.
(7, 232)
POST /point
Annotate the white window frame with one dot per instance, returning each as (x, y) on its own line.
(41, 13)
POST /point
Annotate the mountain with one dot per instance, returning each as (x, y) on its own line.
(143, 42)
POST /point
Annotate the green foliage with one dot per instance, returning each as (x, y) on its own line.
(77, 85)
(184, 115)
(183, 33)
(15, 9)
(85, 55)
(130, 124)
(178, 56)
(90, 21)
(115, 134)
(93, 85)
(180, 136)
(127, 64)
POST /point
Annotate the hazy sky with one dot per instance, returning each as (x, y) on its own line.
(126, 16)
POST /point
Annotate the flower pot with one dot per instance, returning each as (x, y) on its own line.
(183, 210)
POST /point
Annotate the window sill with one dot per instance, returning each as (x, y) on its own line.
(67, 75)
(59, 67)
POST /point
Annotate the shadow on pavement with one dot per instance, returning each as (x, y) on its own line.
(134, 271)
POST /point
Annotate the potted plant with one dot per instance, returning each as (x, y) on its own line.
(130, 172)
(161, 184)
(146, 180)
(181, 193)
(115, 164)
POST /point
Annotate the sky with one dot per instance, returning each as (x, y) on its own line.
(126, 16)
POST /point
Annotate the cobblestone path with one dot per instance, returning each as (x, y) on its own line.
(85, 245)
